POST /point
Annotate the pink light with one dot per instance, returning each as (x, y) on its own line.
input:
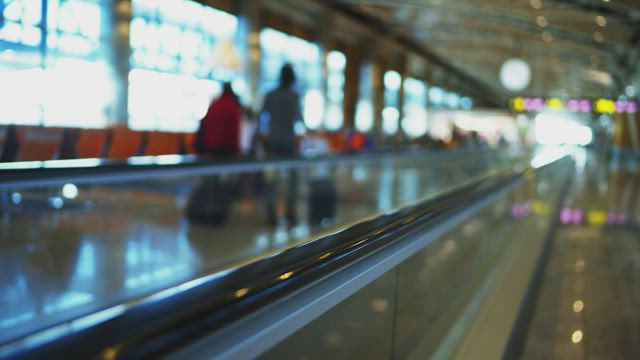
(585, 106)
(573, 105)
(565, 216)
(538, 104)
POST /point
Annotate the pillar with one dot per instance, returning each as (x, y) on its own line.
(352, 86)
(251, 22)
(117, 15)
(377, 84)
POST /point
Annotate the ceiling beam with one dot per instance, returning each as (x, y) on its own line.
(623, 13)
(492, 95)
(492, 16)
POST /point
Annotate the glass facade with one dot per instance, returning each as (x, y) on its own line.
(52, 69)
(414, 122)
(437, 97)
(391, 113)
(175, 46)
(336, 64)
(364, 108)
(55, 69)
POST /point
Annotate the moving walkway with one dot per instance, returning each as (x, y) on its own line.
(413, 259)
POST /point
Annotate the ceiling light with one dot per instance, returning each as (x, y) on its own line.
(601, 21)
(515, 74)
(542, 21)
(547, 37)
(598, 37)
(536, 4)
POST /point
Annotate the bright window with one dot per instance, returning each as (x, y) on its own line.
(452, 100)
(336, 64)
(414, 122)
(390, 113)
(364, 108)
(64, 83)
(175, 74)
(466, 103)
(278, 49)
(437, 96)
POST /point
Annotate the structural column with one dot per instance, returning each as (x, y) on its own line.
(251, 23)
(377, 84)
(117, 19)
(632, 121)
(351, 86)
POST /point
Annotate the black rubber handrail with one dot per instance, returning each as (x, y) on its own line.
(158, 323)
(91, 171)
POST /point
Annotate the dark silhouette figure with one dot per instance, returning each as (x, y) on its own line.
(219, 131)
(11, 145)
(218, 135)
(281, 111)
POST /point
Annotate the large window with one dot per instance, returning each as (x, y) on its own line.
(414, 122)
(466, 103)
(278, 49)
(175, 69)
(390, 113)
(453, 100)
(364, 108)
(437, 97)
(336, 63)
(57, 76)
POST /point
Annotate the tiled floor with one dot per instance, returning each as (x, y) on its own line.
(589, 303)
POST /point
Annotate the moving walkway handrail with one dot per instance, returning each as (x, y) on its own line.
(171, 318)
(99, 171)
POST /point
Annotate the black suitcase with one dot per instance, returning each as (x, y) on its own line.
(322, 200)
(211, 202)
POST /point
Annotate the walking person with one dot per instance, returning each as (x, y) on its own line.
(281, 111)
(218, 136)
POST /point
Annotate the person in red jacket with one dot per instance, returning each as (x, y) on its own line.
(218, 135)
(219, 132)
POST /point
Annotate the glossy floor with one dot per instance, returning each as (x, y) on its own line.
(589, 304)
(72, 250)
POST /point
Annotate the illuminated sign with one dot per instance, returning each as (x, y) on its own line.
(594, 218)
(600, 106)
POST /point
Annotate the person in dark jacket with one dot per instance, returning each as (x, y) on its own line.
(219, 132)
(281, 111)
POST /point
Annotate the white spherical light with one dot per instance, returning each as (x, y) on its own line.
(515, 74)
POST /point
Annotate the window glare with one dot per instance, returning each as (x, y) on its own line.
(73, 63)
(173, 45)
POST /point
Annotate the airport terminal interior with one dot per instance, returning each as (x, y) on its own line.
(320, 179)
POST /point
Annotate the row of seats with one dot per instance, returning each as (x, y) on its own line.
(31, 143)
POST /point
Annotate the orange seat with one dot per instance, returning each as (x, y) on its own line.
(38, 143)
(189, 143)
(3, 136)
(91, 143)
(162, 143)
(124, 143)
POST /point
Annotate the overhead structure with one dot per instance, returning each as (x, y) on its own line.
(580, 49)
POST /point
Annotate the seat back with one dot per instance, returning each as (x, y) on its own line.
(188, 141)
(3, 136)
(38, 143)
(91, 143)
(162, 143)
(124, 143)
